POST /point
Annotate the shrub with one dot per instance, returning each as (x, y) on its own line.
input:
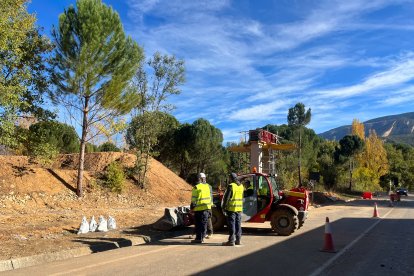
(59, 135)
(108, 146)
(44, 153)
(115, 177)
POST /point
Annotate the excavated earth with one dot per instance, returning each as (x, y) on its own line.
(40, 212)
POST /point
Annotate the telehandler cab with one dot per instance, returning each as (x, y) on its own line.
(264, 201)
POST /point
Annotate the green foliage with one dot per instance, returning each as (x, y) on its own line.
(326, 163)
(198, 148)
(93, 64)
(349, 146)
(237, 161)
(44, 153)
(287, 161)
(401, 162)
(89, 148)
(148, 127)
(23, 78)
(108, 147)
(298, 116)
(115, 177)
(58, 135)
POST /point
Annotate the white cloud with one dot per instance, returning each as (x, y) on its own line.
(257, 112)
(398, 74)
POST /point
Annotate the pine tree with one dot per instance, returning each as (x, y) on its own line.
(298, 117)
(93, 64)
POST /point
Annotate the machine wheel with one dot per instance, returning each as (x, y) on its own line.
(301, 222)
(284, 222)
(218, 219)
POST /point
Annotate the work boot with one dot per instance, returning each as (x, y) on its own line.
(208, 236)
(238, 243)
(228, 243)
(196, 241)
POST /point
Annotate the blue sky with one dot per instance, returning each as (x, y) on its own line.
(248, 62)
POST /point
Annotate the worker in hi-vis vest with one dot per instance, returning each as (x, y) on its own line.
(233, 206)
(201, 205)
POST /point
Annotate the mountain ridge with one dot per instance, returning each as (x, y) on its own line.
(397, 128)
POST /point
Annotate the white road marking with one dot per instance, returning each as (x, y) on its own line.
(346, 248)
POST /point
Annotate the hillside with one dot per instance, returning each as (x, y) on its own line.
(39, 211)
(398, 128)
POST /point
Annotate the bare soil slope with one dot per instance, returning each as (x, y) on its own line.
(40, 212)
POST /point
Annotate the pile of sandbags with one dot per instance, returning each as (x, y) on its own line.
(102, 226)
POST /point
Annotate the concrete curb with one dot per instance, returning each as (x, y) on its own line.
(82, 251)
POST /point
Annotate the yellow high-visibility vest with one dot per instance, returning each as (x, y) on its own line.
(201, 197)
(235, 203)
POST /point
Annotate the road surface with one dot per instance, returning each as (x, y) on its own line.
(364, 245)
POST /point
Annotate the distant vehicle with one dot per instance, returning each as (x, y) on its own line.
(402, 191)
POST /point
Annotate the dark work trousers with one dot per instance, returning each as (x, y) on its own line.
(210, 223)
(201, 221)
(234, 224)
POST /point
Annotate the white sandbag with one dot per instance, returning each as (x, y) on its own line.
(84, 227)
(111, 223)
(102, 225)
(93, 225)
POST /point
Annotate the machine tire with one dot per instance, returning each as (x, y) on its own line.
(218, 219)
(284, 222)
(301, 223)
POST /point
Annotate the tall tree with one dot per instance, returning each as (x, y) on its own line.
(401, 161)
(299, 117)
(373, 162)
(199, 148)
(162, 78)
(92, 65)
(358, 129)
(349, 146)
(326, 163)
(23, 78)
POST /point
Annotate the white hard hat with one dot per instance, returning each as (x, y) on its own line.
(201, 175)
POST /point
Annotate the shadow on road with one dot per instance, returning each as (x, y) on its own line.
(146, 232)
(305, 249)
(103, 244)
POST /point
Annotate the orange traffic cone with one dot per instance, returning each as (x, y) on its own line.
(328, 243)
(376, 214)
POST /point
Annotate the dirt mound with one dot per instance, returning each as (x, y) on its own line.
(39, 210)
(95, 162)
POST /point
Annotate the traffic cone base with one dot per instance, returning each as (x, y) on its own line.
(328, 240)
(376, 213)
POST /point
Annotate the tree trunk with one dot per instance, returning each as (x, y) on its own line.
(79, 191)
(350, 174)
(299, 157)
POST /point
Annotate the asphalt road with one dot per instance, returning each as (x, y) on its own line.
(364, 245)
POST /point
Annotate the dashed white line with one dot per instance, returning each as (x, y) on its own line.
(346, 248)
